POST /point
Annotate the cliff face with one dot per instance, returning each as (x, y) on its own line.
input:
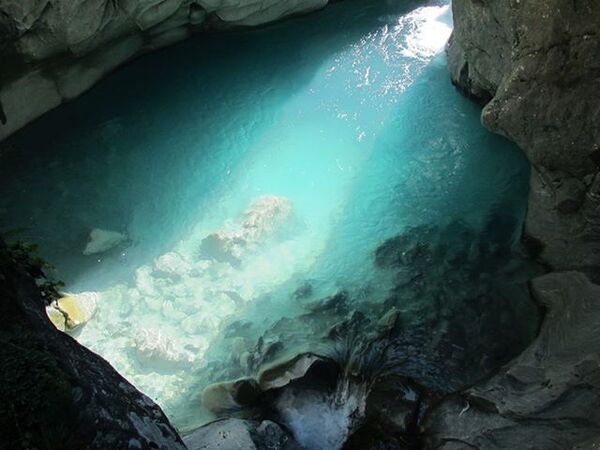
(537, 62)
(53, 50)
(536, 65)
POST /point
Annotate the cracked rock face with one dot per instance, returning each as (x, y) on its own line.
(547, 398)
(537, 65)
(54, 50)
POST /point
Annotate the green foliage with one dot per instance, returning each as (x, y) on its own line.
(24, 256)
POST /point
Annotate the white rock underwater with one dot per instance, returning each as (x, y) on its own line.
(157, 330)
(101, 241)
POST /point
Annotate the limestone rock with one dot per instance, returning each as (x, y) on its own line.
(548, 397)
(101, 241)
(265, 216)
(75, 309)
(282, 373)
(56, 317)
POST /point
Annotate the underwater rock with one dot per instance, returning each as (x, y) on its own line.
(75, 310)
(263, 219)
(236, 434)
(546, 398)
(171, 265)
(101, 241)
(229, 396)
(303, 291)
(157, 349)
(440, 273)
(353, 325)
(334, 304)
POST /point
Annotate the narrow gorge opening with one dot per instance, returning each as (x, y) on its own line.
(249, 196)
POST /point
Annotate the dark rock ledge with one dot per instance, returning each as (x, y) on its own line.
(55, 393)
(547, 398)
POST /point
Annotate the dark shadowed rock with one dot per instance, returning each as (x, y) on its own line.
(54, 393)
(548, 397)
(538, 61)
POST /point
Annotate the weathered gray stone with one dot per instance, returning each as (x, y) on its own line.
(548, 397)
(539, 63)
(236, 434)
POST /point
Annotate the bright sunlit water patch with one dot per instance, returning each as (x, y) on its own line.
(243, 165)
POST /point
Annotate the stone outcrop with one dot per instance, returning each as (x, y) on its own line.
(537, 65)
(54, 50)
(548, 397)
(54, 393)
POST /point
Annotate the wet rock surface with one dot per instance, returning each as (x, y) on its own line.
(536, 62)
(54, 392)
(546, 398)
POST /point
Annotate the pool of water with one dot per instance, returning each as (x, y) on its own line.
(255, 172)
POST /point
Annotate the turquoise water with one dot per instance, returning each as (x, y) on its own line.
(333, 132)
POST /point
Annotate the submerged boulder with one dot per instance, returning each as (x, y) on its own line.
(101, 241)
(156, 349)
(264, 218)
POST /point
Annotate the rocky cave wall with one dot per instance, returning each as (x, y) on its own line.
(52, 51)
(537, 65)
